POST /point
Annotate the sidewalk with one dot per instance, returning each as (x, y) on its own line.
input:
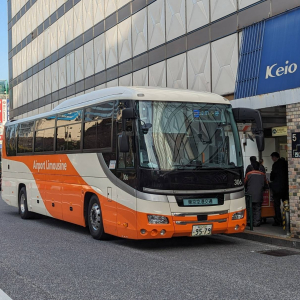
(269, 234)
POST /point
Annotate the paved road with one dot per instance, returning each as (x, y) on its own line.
(49, 259)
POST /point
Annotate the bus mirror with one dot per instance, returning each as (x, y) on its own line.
(244, 115)
(127, 113)
(123, 142)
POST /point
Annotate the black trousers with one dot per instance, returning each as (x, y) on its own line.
(256, 209)
(277, 198)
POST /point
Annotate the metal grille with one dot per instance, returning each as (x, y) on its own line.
(249, 62)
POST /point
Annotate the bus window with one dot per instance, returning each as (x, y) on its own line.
(10, 140)
(98, 126)
(44, 134)
(25, 137)
(69, 131)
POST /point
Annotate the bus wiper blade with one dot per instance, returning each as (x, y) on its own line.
(228, 170)
(182, 167)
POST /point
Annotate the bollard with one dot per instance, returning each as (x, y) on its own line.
(286, 217)
(249, 210)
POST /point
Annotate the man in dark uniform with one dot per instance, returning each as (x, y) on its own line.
(251, 168)
(255, 182)
(279, 184)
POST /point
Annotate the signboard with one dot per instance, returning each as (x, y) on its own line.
(280, 60)
(1, 132)
(295, 144)
(1, 117)
(7, 106)
(4, 111)
(279, 131)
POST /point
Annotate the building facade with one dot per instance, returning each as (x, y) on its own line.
(59, 49)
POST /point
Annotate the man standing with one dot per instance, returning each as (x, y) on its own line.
(255, 182)
(279, 184)
(252, 162)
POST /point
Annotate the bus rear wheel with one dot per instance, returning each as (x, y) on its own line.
(23, 207)
(95, 222)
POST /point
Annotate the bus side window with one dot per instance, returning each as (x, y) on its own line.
(25, 137)
(10, 140)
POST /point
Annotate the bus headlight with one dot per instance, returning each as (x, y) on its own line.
(239, 215)
(154, 219)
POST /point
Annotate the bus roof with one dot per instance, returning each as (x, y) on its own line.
(131, 93)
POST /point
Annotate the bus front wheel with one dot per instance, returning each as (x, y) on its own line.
(23, 207)
(95, 219)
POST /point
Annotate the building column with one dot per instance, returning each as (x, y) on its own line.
(293, 124)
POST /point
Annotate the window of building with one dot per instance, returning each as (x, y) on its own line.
(98, 127)
(25, 137)
(68, 134)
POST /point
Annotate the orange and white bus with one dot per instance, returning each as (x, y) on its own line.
(138, 163)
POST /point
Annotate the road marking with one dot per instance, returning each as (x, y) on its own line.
(3, 296)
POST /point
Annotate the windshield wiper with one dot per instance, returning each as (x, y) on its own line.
(182, 167)
(225, 169)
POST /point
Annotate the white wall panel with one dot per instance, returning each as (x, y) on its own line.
(20, 94)
(69, 25)
(110, 7)
(46, 11)
(35, 86)
(224, 64)
(34, 52)
(197, 13)
(88, 15)
(124, 40)
(14, 36)
(22, 3)
(48, 80)
(54, 77)
(222, 8)
(19, 63)
(40, 45)
(41, 83)
(60, 3)
(47, 108)
(111, 37)
(176, 72)
(35, 112)
(17, 5)
(52, 6)
(29, 89)
(39, 12)
(98, 8)
(99, 53)
(29, 56)
(24, 59)
(140, 78)
(158, 75)
(15, 98)
(25, 92)
(89, 66)
(112, 83)
(14, 63)
(199, 69)
(78, 24)
(18, 36)
(122, 2)
(34, 16)
(245, 3)
(79, 72)
(139, 32)
(62, 76)
(156, 24)
(61, 32)
(175, 18)
(100, 87)
(13, 8)
(89, 90)
(70, 61)
(27, 17)
(125, 80)
(22, 21)
(47, 42)
(53, 38)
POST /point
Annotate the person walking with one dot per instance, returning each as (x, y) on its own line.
(255, 183)
(279, 184)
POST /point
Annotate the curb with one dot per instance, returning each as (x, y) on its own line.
(269, 239)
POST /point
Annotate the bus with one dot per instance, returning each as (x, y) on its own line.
(133, 162)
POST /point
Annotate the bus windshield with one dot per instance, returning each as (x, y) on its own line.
(179, 135)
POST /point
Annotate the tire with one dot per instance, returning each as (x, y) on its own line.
(23, 207)
(95, 222)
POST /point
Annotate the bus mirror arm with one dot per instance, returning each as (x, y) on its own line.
(123, 142)
(127, 114)
(244, 115)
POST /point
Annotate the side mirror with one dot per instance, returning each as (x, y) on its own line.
(146, 127)
(124, 142)
(127, 113)
(260, 141)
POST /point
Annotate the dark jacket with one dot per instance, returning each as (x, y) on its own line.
(279, 177)
(250, 168)
(255, 183)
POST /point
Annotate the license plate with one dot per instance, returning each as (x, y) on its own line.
(199, 230)
(200, 201)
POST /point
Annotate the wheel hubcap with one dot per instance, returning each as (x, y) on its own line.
(95, 216)
(22, 204)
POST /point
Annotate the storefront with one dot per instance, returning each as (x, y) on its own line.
(269, 80)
